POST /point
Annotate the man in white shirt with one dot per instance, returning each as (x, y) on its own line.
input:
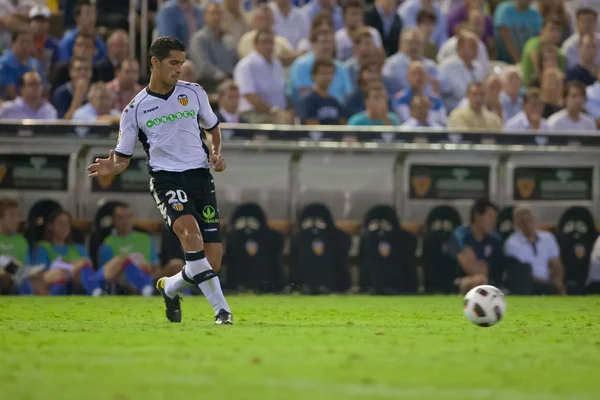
(539, 249)
(354, 17)
(476, 25)
(530, 119)
(572, 118)
(586, 24)
(290, 21)
(261, 80)
(419, 114)
(592, 105)
(510, 96)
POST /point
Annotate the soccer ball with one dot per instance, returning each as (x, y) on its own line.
(484, 305)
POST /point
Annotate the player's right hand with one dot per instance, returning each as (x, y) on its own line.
(102, 166)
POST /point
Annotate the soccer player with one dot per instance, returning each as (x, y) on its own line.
(167, 116)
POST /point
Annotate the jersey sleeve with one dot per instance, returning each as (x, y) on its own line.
(42, 256)
(207, 118)
(128, 133)
(82, 251)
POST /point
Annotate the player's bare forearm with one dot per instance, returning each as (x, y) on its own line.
(216, 140)
(111, 166)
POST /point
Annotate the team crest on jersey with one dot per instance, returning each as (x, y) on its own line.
(177, 206)
(251, 248)
(384, 249)
(318, 247)
(183, 99)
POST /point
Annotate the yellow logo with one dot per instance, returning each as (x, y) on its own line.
(384, 249)
(251, 248)
(525, 186)
(318, 247)
(3, 171)
(579, 251)
(105, 181)
(421, 185)
(183, 99)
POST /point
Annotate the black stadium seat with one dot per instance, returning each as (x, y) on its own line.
(504, 223)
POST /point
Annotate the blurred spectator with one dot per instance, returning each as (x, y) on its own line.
(46, 47)
(382, 16)
(117, 48)
(572, 118)
(188, 72)
(84, 48)
(263, 100)
(474, 115)
(31, 104)
(262, 19)
(314, 7)
(290, 22)
(353, 21)
(417, 81)
(85, 20)
(377, 111)
(370, 72)
(211, 50)
(550, 35)
(515, 22)
(321, 23)
(100, 105)
(114, 14)
(593, 278)
(364, 51)
(408, 12)
(179, 18)
(229, 100)
(318, 107)
(70, 96)
(492, 87)
(16, 62)
(510, 96)
(395, 67)
(475, 25)
(11, 20)
(426, 21)
(530, 119)
(585, 70)
(459, 19)
(539, 249)
(552, 89)
(586, 25)
(556, 9)
(456, 72)
(420, 107)
(593, 100)
(235, 21)
(300, 79)
(125, 86)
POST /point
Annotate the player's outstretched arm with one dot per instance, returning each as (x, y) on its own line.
(113, 165)
(216, 160)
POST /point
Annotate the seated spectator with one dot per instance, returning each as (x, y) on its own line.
(539, 249)
(46, 49)
(370, 72)
(458, 71)
(211, 50)
(16, 62)
(492, 88)
(420, 107)
(83, 49)
(550, 35)
(31, 104)
(515, 22)
(320, 24)
(263, 100)
(408, 12)
(290, 22)
(125, 86)
(585, 70)
(426, 21)
(417, 81)
(382, 16)
(128, 253)
(179, 18)
(377, 111)
(552, 89)
(510, 96)
(475, 25)
(474, 115)
(262, 19)
(395, 68)
(573, 118)
(70, 96)
(556, 9)
(530, 119)
(85, 20)
(477, 249)
(330, 6)
(188, 72)
(117, 51)
(364, 51)
(586, 25)
(592, 105)
(460, 18)
(229, 100)
(235, 20)
(100, 105)
(353, 21)
(300, 80)
(318, 107)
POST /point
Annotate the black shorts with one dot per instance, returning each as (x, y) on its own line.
(190, 192)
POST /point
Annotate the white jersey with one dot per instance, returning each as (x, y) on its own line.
(168, 127)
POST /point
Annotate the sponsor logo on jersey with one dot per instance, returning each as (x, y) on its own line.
(183, 99)
(170, 118)
(150, 110)
(209, 214)
(177, 206)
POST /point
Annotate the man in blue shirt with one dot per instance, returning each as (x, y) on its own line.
(515, 22)
(318, 107)
(179, 18)
(314, 7)
(477, 249)
(31, 104)
(46, 46)
(69, 97)
(85, 19)
(16, 62)
(409, 10)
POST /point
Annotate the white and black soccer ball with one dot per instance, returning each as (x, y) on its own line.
(484, 305)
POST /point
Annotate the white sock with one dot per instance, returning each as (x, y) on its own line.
(175, 284)
(211, 288)
(147, 290)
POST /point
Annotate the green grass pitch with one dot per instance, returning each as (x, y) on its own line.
(298, 348)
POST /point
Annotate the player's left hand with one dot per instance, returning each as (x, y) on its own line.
(217, 162)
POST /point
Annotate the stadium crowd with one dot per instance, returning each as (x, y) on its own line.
(517, 64)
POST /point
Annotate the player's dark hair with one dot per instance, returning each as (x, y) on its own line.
(162, 46)
(577, 85)
(481, 206)
(321, 64)
(426, 16)
(6, 204)
(80, 4)
(51, 218)
(586, 11)
(348, 4)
